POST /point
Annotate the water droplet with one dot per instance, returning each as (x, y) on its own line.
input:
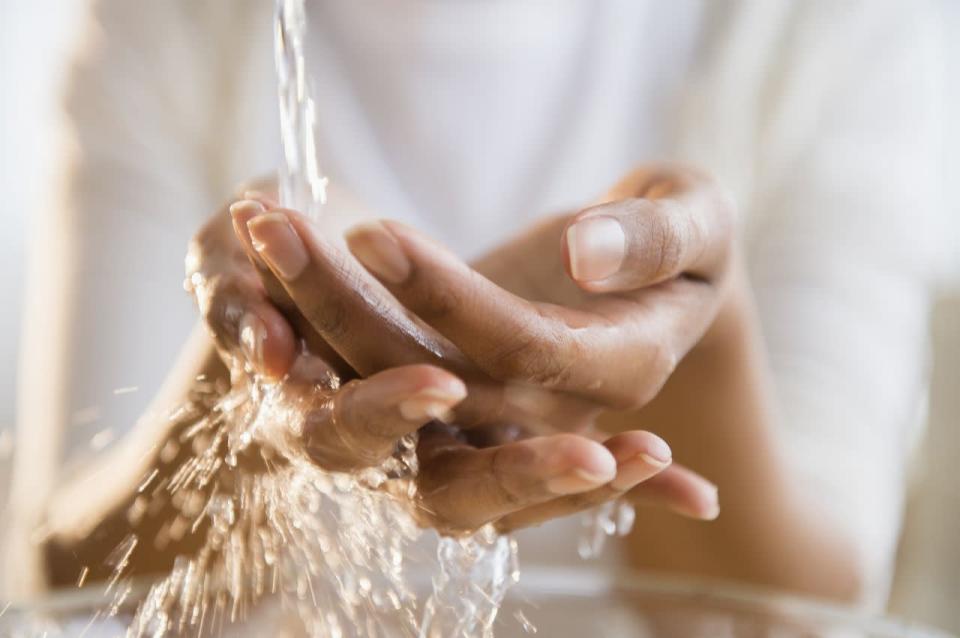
(527, 626)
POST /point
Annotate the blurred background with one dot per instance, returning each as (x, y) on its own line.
(35, 38)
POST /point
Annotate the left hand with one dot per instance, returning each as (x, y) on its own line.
(638, 281)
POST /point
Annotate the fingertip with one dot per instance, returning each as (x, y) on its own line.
(682, 491)
(419, 393)
(707, 507)
(596, 246)
(268, 201)
(424, 376)
(584, 455)
(272, 351)
(241, 213)
(702, 501)
(640, 455)
(379, 252)
(416, 245)
(628, 445)
(568, 237)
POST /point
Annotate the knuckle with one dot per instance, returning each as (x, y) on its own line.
(726, 216)
(533, 358)
(439, 302)
(330, 435)
(364, 423)
(193, 263)
(506, 525)
(505, 481)
(668, 239)
(328, 316)
(650, 371)
(434, 478)
(221, 307)
(210, 239)
(658, 363)
(206, 235)
(578, 502)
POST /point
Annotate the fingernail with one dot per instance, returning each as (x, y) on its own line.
(713, 511)
(429, 404)
(379, 252)
(576, 481)
(242, 212)
(658, 452)
(252, 335)
(596, 247)
(247, 206)
(278, 243)
(259, 196)
(639, 468)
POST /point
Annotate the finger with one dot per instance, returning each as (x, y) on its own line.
(242, 213)
(357, 323)
(360, 330)
(267, 341)
(508, 337)
(639, 455)
(346, 307)
(673, 222)
(268, 200)
(464, 488)
(617, 349)
(237, 313)
(360, 427)
(680, 490)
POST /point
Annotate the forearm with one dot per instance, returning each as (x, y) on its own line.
(88, 517)
(718, 414)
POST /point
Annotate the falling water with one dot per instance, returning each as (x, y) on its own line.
(303, 186)
(478, 569)
(288, 544)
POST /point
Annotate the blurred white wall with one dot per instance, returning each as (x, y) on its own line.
(927, 584)
(34, 38)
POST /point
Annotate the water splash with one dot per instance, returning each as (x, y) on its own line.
(480, 568)
(333, 549)
(614, 518)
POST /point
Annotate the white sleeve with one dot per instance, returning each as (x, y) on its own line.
(154, 107)
(148, 122)
(844, 247)
(150, 117)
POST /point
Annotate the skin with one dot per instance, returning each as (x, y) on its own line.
(524, 454)
(531, 472)
(537, 375)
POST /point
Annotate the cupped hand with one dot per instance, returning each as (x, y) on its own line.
(498, 475)
(351, 313)
(605, 316)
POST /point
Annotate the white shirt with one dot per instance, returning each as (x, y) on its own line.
(472, 118)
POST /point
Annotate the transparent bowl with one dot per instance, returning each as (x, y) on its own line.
(559, 603)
